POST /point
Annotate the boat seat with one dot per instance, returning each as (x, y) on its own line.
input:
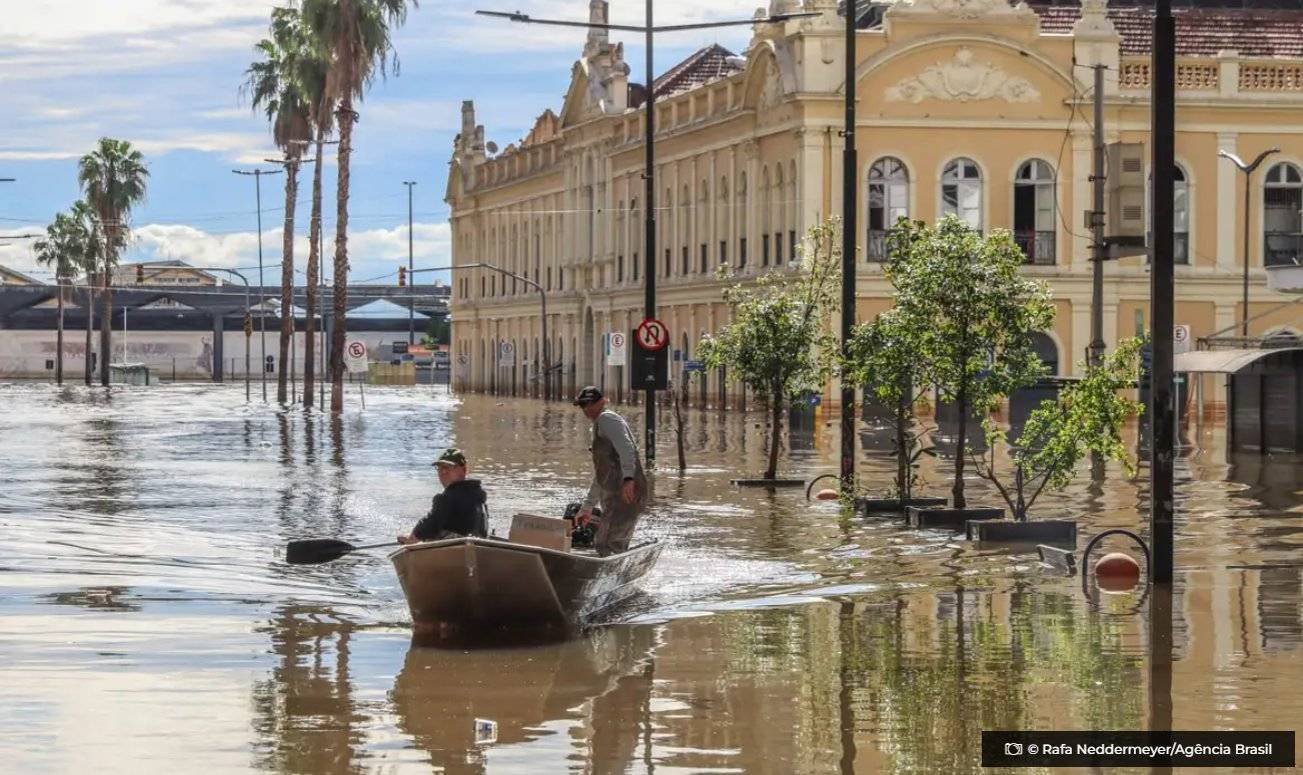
(543, 532)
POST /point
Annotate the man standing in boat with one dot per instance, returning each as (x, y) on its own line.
(619, 484)
(458, 510)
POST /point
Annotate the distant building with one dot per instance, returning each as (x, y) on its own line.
(14, 277)
(168, 272)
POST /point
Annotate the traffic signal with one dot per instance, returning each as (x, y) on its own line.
(402, 276)
(140, 274)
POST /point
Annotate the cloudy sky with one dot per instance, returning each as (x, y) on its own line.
(165, 74)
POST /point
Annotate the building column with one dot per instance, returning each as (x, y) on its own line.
(1079, 251)
(1080, 335)
(1227, 203)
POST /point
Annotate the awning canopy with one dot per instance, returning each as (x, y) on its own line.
(1222, 361)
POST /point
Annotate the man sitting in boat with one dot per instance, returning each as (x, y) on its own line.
(619, 484)
(457, 511)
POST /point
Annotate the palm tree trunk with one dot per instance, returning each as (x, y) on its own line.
(90, 324)
(287, 274)
(314, 258)
(106, 321)
(58, 338)
(346, 118)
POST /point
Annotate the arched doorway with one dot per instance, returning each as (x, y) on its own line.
(1025, 400)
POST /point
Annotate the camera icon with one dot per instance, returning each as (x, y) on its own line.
(1013, 749)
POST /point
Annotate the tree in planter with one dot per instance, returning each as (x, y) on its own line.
(1085, 417)
(974, 313)
(886, 357)
(778, 343)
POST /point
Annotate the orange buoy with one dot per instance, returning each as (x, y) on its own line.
(1117, 572)
(826, 494)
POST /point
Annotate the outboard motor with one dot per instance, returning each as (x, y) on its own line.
(581, 537)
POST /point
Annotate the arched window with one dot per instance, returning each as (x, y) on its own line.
(766, 215)
(888, 202)
(1033, 211)
(778, 214)
(685, 229)
(961, 192)
(1282, 222)
(722, 222)
(703, 225)
(1180, 216)
(742, 220)
(635, 236)
(794, 203)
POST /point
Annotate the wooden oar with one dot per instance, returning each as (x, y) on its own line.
(313, 551)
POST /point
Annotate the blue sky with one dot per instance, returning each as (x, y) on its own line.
(165, 74)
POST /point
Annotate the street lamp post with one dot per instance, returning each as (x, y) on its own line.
(411, 303)
(1248, 170)
(543, 301)
(850, 185)
(648, 29)
(262, 311)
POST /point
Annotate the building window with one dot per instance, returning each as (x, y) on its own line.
(636, 265)
(1282, 221)
(888, 203)
(619, 269)
(961, 192)
(791, 243)
(684, 267)
(1033, 211)
(1180, 217)
(561, 279)
(549, 278)
(482, 281)
(668, 265)
(723, 252)
(764, 250)
(742, 252)
(778, 248)
(704, 251)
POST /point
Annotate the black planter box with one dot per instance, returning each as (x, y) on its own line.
(1056, 531)
(949, 519)
(769, 482)
(867, 506)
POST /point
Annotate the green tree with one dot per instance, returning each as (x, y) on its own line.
(355, 34)
(280, 83)
(113, 178)
(885, 356)
(1086, 416)
(438, 332)
(778, 343)
(69, 247)
(974, 312)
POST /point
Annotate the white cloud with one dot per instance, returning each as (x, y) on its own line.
(54, 22)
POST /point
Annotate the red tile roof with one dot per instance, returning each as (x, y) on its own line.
(1199, 31)
(709, 64)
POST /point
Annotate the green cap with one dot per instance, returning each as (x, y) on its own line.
(451, 457)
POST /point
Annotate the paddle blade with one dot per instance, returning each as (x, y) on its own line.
(316, 550)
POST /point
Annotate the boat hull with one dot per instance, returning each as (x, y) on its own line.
(487, 584)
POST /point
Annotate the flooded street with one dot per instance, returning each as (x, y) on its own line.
(149, 623)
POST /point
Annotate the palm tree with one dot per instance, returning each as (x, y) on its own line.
(277, 86)
(68, 247)
(355, 33)
(113, 179)
(85, 218)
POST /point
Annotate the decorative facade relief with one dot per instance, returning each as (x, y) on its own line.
(963, 79)
(964, 9)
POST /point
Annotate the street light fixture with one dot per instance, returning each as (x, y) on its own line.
(1248, 170)
(648, 29)
(257, 174)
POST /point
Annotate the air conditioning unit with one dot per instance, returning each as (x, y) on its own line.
(1124, 194)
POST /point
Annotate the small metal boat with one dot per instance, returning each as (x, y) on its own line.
(476, 584)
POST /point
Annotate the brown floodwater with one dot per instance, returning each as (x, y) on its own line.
(149, 624)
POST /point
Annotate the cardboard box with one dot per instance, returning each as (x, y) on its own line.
(544, 532)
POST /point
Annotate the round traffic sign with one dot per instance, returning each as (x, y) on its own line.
(652, 334)
(356, 350)
(461, 359)
(617, 340)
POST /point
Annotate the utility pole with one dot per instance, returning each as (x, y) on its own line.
(850, 185)
(411, 301)
(1098, 250)
(262, 298)
(1161, 285)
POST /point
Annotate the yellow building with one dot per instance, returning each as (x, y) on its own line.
(163, 272)
(974, 107)
(14, 277)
